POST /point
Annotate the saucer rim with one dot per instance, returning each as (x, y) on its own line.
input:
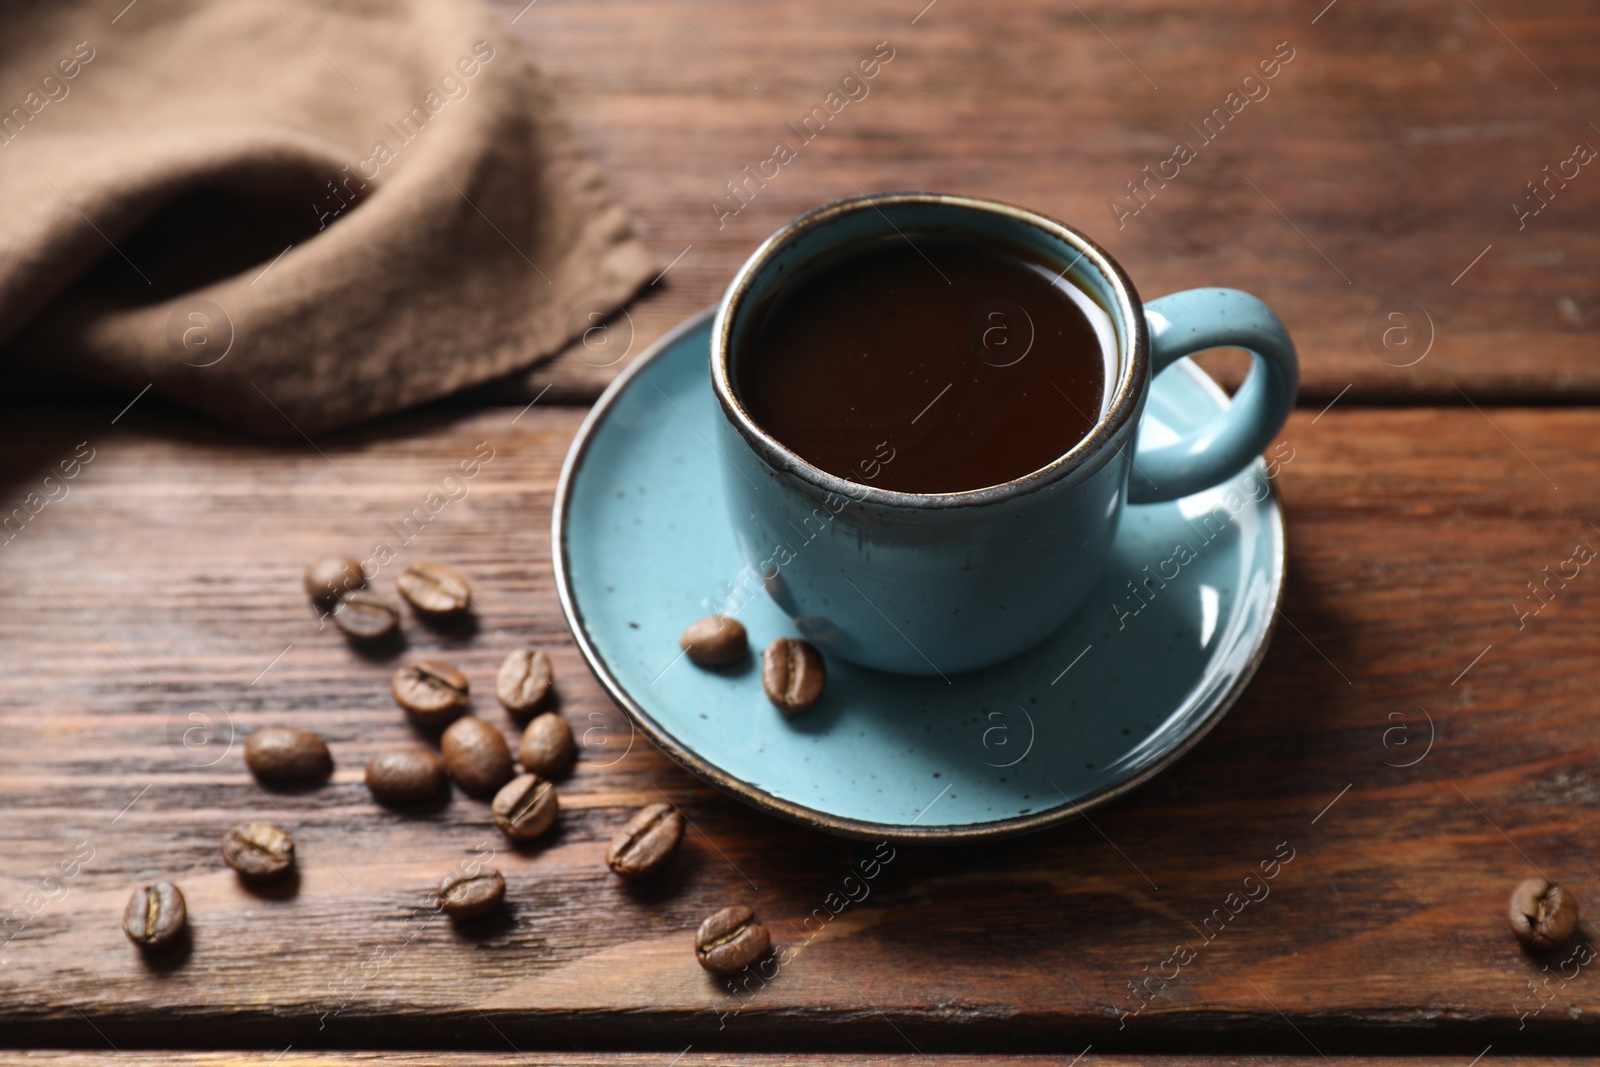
(859, 829)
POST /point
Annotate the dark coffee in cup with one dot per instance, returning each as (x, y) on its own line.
(929, 362)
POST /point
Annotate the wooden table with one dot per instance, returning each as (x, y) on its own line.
(1421, 737)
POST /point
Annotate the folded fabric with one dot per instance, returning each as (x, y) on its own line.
(292, 214)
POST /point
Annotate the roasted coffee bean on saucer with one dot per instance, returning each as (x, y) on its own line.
(793, 674)
(715, 641)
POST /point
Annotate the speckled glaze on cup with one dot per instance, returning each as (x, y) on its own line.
(940, 583)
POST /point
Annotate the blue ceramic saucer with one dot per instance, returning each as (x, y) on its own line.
(1174, 631)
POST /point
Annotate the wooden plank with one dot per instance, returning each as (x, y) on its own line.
(1383, 160)
(161, 593)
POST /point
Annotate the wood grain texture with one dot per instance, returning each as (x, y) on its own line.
(1383, 159)
(154, 618)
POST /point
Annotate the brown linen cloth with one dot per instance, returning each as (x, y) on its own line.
(291, 214)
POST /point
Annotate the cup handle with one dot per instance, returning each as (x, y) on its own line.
(1192, 321)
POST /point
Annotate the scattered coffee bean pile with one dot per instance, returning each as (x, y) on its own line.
(472, 752)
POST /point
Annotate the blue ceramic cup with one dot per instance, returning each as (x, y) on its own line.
(943, 582)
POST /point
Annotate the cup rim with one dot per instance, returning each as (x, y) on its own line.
(1131, 380)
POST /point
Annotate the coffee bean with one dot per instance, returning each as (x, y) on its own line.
(547, 747)
(476, 756)
(155, 915)
(434, 589)
(523, 682)
(642, 846)
(467, 896)
(525, 807)
(715, 641)
(259, 851)
(792, 674)
(731, 940)
(1543, 915)
(365, 616)
(279, 754)
(330, 578)
(434, 693)
(405, 776)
